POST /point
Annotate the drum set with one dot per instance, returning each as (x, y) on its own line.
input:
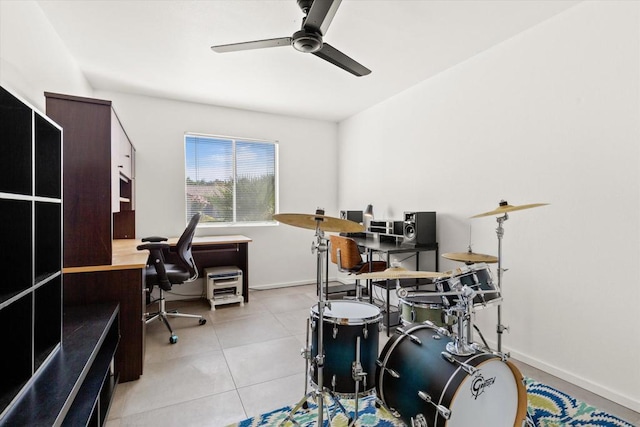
(430, 372)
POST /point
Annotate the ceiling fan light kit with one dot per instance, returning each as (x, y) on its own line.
(318, 16)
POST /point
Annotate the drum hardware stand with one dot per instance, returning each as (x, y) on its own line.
(460, 346)
(320, 248)
(500, 328)
(358, 375)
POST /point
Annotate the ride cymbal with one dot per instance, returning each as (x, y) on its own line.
(505, 207)
(326, 223)
(470, 257)
(401, 273)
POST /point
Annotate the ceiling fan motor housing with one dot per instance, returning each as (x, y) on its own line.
(308, 42)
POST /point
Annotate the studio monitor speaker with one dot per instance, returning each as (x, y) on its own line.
(419, 228)
(355, 216)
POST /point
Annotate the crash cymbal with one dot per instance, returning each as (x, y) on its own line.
(401, 273)
(470, 257)
(506, 207)
(326, 223)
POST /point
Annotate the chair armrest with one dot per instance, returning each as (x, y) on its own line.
(153, 246)
(154, 239)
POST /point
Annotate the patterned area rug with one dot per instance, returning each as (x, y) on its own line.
(547, 407)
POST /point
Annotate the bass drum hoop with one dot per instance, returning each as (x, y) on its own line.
(521, 411)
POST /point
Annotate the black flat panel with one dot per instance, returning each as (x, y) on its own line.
(47, 239)
(48, 156)
(16, 241)
(15, 137)
(48, 314)
(16, 356)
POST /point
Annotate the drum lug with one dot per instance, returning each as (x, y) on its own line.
(419, 421)
(335, 331)
(442, 410)
(313, 325)
(365, 332)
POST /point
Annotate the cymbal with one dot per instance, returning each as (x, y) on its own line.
(504, 207)
(326, 223)
(470, 257)
(401, 273)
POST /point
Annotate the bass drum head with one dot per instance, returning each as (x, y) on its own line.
(488, 399)
(348, 313)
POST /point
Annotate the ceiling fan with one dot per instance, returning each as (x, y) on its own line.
(318, 16)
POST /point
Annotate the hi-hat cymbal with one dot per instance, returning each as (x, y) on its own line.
(470, 257)
(401, 273)
(505, 207)
(326, 223)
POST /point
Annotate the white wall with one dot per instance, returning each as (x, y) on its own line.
(278, 255)
(33, 59)
(548, 116)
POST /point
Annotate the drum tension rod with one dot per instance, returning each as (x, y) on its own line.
(444, 411)
(413, 338)
(391, 372)
(466, 367)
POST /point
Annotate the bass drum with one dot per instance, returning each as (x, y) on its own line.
(412, 370)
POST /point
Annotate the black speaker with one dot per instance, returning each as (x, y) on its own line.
(355, 216)
(419, 228)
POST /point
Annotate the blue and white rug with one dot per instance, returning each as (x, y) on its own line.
(547, 407)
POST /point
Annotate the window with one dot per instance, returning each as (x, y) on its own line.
(231, 181)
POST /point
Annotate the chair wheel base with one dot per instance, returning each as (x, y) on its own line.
(173, 339)
(202, 321)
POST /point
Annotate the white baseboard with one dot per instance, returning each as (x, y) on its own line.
(598, 389)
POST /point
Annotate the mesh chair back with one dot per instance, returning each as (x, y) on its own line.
(183, 247)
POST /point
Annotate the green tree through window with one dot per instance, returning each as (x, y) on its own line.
(230, 180)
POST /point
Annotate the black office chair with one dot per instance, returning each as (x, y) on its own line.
(163, 275)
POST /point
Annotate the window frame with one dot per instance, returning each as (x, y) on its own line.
(234, 140)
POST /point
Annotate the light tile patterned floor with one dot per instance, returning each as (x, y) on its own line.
(242, 362)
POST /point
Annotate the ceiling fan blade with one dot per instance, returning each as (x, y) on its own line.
(333, 55)
(257, 44)
(320, 15)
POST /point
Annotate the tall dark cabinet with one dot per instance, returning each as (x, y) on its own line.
(98, 178)
(31, 239)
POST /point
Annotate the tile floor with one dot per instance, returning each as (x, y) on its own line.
(242, 362)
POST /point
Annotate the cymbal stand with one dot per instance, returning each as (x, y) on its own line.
(320, 248)
(500, 328)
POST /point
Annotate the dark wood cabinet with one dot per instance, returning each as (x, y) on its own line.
(93, 142)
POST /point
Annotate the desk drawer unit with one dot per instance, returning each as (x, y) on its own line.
(224, 285)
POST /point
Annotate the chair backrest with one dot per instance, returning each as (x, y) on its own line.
(183, 247)
(344, 252)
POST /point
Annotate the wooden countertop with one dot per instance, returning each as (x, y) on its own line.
(125, 256)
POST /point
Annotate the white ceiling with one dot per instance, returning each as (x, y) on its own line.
(162, 48)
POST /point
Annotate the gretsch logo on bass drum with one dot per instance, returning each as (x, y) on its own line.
(479, 384)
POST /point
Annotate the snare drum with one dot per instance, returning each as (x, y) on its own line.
(476, 276)
(418, 309)
(412, 370)
(343, 323)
